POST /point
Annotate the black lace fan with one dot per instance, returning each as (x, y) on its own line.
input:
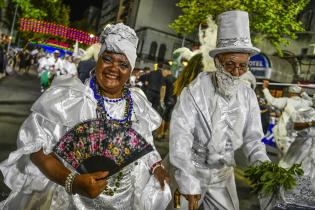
(99, 145)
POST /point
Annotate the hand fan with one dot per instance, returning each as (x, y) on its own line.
(101, 145)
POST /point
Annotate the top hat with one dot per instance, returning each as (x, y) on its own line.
(233, 34)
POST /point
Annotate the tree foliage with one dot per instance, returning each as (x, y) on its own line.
(275, 20)
(49, 10)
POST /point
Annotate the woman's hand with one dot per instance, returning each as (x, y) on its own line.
(160, 174)
(193, 201)
(90, 185)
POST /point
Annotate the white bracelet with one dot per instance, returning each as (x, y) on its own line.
(69, 181)
(155, 167)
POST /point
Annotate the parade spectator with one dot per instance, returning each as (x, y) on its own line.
(155, 81)
(264, 114)
(39, 180)
(25, 61)
(144, 79)
(214, 116)
(167, 100)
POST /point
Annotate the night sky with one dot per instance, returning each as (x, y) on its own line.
(78, 7)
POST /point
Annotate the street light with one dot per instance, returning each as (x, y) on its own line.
(92, 35)
(12, 27)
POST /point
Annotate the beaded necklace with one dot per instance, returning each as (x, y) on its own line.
(125, 96)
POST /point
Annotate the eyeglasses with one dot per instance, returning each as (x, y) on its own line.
(231, 66)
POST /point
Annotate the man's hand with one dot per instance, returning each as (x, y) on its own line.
(265, 84)
(90, 185)
(193, 201)
(160, 174)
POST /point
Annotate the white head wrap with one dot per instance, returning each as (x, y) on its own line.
(295, 89)
(120, 38)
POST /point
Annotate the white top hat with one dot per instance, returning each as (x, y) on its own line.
(233, 34)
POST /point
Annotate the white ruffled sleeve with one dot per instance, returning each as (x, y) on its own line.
(65, 104)
(20, 174)
(147, 120)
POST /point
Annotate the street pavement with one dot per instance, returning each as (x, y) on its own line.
(18, 93)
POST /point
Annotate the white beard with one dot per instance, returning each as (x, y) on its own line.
(227, 84)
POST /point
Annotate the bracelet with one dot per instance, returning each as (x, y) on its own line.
(155, 167)
(69, 181)
(155, 164)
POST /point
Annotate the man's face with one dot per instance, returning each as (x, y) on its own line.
(234, 63)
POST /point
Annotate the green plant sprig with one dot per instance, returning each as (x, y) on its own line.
(267, 178)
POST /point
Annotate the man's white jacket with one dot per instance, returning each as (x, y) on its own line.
(207, 128)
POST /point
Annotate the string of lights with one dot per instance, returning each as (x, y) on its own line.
(40, 26)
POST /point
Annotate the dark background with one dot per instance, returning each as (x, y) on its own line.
(79, 6)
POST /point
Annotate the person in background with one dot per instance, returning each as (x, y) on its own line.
(68, 67)
(55, 63)
(288, 105)
(155, 81)
(215, 115)
(264, 114)
(167, 100)
(301, 151)
(144, 79)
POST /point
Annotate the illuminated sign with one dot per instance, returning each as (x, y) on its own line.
(260, 66)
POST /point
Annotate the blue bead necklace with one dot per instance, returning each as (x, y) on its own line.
(100, 100)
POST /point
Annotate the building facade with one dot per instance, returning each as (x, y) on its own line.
(298, 62)
(150, 19)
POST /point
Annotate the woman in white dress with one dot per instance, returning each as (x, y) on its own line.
(39, 180)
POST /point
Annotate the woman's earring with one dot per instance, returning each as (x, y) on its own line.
(92, 72)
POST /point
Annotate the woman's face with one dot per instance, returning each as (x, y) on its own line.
(112, 72)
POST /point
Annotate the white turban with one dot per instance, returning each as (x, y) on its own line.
(120, 38)
(295, 89)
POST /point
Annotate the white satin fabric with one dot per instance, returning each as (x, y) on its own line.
(206, 129)
(301, 151)
(283, 136)
(62, 106)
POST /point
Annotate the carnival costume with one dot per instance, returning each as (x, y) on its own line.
(283, 136)
(301, 151)
(215, 115)
(63, 106)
